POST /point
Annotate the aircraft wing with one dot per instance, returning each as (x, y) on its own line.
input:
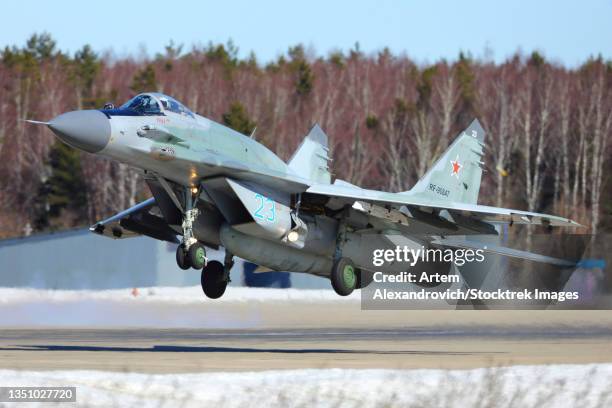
(137, 220)
(500, 250)
(350, 195)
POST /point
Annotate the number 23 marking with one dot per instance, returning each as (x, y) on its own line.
(270, 210)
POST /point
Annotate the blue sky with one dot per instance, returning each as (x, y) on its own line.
(565, 31)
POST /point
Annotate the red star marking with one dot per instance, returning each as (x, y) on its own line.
(456, 167)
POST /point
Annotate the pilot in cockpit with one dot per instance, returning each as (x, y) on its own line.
(164, 103)
(151, 104)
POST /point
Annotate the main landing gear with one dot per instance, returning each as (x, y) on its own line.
(216, 276)
(213, 280)
(344, 276)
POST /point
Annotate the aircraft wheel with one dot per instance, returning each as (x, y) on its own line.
(364, 278)
(344, 277)
(197, 255)
(182, 260)
(213, 280)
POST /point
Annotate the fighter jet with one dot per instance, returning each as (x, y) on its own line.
(214, 187)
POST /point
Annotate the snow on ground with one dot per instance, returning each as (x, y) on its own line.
(166, 307)
(180, 295)
(524, 386)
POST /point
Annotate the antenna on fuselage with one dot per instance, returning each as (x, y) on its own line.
(253, 133)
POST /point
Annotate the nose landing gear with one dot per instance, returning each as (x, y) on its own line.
(190, 253)
(182, 260)
(195, 255)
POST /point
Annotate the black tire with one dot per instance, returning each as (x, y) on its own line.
(364, 278)
(213, 280)
(197, 255)
(182, 260)
(344, 277)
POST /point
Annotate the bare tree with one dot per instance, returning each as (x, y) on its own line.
(498, 109)
(601, 126)
(387, 119)
(534, 116)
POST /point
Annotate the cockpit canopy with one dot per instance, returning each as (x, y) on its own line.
(143, 104)
(155, 104)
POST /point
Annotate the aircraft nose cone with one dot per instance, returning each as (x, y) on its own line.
(87, 130)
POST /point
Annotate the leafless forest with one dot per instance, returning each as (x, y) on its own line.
(549, 126)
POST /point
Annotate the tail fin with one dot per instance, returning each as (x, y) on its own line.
(311, 159)
(456, 175)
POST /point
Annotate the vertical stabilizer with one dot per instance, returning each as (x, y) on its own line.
(311, 159)
(456, 175)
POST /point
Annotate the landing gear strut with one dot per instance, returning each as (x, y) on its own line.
(190, 253)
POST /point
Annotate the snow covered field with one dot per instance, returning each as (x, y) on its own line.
(242, 307)
(524, 386)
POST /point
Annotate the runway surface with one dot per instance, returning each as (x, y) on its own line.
(175, 330)
(193, 350)
(171, 347)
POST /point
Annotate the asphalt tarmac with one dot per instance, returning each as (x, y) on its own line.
(458, 343)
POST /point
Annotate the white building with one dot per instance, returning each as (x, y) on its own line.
(78, 259)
